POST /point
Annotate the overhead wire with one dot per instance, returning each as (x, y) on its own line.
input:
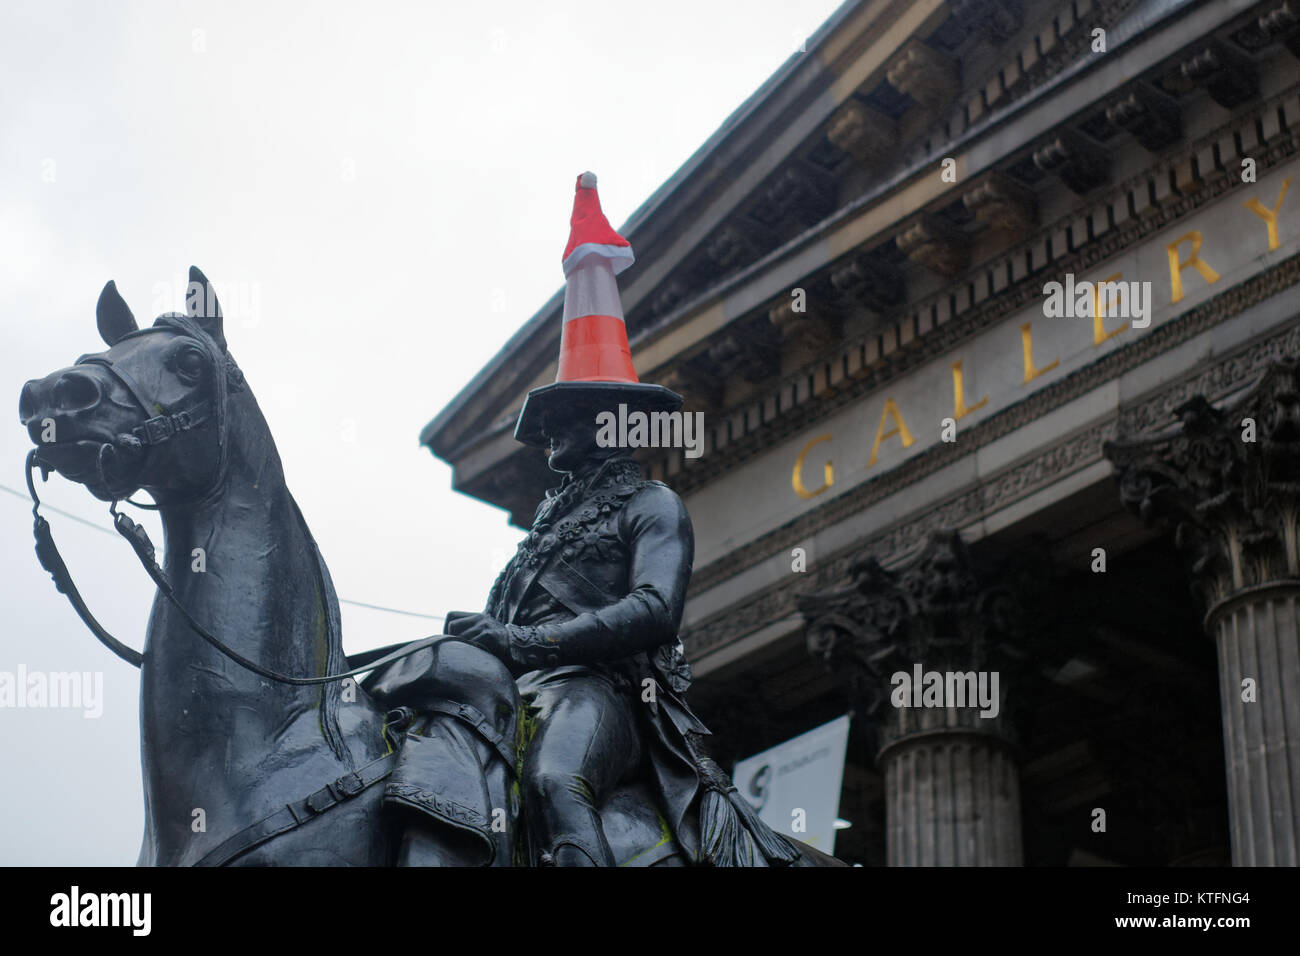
(98, 527)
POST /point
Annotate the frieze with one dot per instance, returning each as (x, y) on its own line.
(1223, 306)
(1017, 481)
(1214, 382)
(898, 542)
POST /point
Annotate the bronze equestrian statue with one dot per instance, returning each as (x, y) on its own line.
(549, 730)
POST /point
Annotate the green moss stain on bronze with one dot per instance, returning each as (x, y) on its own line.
(665, 835)
(525, 731)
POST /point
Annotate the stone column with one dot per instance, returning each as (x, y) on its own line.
(951, 777)
(953, 795)
(1227, 482)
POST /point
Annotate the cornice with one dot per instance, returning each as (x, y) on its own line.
(946, 337)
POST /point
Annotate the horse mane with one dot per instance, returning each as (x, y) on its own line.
(233, 400)
(335, 660)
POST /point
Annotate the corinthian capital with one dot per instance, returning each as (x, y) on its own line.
(1227, 481)
(933, 611)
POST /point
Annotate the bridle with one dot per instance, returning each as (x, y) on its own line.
(155, 431)
(152, 431)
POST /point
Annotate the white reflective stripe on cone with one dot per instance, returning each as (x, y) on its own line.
(591, 289)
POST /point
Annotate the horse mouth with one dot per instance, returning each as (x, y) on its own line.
(92, 462)
(74, 460)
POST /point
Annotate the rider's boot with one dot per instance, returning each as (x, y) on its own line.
(455, 777)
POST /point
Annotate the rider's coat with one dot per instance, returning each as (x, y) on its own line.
(600, 583)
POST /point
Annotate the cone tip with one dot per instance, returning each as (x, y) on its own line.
(587, 180)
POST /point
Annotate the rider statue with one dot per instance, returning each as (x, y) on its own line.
(584, 618)
(586, 615)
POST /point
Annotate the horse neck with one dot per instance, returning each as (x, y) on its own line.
(258, 584)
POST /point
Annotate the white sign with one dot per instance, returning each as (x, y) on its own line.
(795, 786)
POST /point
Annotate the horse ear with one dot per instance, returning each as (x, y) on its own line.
(113, 316)
(201, 304)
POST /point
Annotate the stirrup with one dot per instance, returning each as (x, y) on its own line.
(547, 857)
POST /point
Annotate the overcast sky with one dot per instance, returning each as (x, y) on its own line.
(381, 193)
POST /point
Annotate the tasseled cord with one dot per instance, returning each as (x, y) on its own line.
(731, 834)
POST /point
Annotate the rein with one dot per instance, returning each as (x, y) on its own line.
(155, 431)
(47, 552)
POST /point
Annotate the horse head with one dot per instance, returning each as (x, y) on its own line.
(149, 412)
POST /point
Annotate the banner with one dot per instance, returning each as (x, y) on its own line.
(795, 786)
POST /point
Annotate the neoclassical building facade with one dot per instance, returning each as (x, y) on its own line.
(991, 309)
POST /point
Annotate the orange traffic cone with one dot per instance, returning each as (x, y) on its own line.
(595, 369)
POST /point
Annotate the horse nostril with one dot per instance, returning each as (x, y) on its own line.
(75, 391)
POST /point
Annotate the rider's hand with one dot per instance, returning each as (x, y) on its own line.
(482, 631)
(457, 620)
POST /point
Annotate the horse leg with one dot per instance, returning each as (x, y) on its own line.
(586, 744)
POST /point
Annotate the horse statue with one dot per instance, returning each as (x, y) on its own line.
(250, 719)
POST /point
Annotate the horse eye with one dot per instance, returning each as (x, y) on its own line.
(189, 362)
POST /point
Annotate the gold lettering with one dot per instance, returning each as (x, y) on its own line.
(828, 471)
(959, 408)
(900, 429)
(1269, 215)
(1027, 341)
(1176, 267)
(1100, 303)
